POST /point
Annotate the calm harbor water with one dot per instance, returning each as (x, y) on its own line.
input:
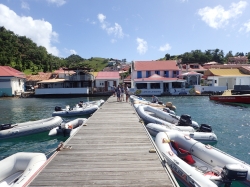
(230, 123)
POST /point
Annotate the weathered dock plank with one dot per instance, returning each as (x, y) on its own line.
(111, 150)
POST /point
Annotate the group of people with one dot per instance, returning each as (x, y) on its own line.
(121, 92)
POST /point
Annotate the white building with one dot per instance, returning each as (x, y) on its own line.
(105, 80)
(11, 81)
(157, 77)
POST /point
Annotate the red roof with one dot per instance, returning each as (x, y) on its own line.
(156, 65)
(7, 71)
(156, 77)
(108, 75)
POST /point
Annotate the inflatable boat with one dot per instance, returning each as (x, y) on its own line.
(151, 114)
(97, 102)
(69, 128)
(86, 109)
(18, 169)
(204, 134)
(197, 164)
(139, 100)
(30, 127)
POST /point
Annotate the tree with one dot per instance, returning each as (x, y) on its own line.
(167, 56)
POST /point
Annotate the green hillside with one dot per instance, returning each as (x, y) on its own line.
(24, 55)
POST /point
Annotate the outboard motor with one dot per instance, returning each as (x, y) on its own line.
(233, 172)
(5, 126)
(58, 108)
(185, 120)
(205, 128)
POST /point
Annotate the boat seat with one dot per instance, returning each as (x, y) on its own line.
(11, 179)
(182, 153)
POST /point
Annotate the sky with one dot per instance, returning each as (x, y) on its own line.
(130, 29)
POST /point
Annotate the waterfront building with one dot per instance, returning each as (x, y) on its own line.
(67, 81)
(105, 80)
(157, 77)
(12, 81)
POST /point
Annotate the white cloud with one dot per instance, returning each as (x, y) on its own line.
(218, 17)
(116, 30)
(142, 46)
(57, 2)
(101, 17)
(72, 51)
(246, 27)
(39, 31)
(166, 47)
(113, 41)
(25, 5)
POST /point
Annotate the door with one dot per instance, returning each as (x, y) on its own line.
(106, 86)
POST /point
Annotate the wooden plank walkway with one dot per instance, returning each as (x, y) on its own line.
(111, 150)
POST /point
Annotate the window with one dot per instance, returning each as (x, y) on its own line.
(148, 74)
(141, 85)
(139, 75)
(175, 73)
(176, 84)
(157, 72)
(155, 86)
(166, 73)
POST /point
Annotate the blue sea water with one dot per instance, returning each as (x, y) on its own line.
(231, 123)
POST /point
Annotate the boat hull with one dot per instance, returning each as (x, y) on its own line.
(31, 127)
(161, 117)
(20, 168)
(204, 163)
(231, 99)
(204, 137)
(76, 112)
(69, 128)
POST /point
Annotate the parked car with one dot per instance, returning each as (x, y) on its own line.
(29, 88)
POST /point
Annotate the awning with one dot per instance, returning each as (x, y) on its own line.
(52, 81)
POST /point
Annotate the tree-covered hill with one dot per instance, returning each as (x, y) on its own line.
(24, 55)
(197, 56)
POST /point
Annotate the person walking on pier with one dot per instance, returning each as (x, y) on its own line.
(126, 92)
(122, 92)
(118, 93)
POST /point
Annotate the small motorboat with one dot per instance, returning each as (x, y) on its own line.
(97, 102)
(151, 114)
(139, 100)
(197, 164)
(204, 134)
(20, 168)
(27, 128)
(69, 128)
(86, 109)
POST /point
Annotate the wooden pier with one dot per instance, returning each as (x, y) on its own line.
(113, 149)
